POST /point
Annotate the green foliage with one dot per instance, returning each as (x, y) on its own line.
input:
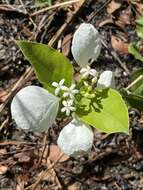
(43, 2)
(107, 112)
(49, 64)
(134, 100)
(139, 27)
(137, 88)
(134, 50)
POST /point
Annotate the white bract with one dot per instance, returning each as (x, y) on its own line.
(86, 71)
(68, 107)
(76, 138)
(70, 92)
(59, 86)
(106, 80)
(86, 44)
(34, 109)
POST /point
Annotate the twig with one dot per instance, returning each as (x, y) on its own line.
(44, 174)
(65, 25)
(44, 148)
(134, 82)
(5, 143)
(23, 79)
(122, 65)
(21, 2)
(54, 6)
(4, 123)
(93, 14)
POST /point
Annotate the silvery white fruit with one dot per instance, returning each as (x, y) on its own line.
(34, 109)
(86, 44)
(106, 80)
(76, 138)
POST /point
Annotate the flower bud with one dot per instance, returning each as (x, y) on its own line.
(34, 109)
(76, 138)
(106, 80)
(86, 44)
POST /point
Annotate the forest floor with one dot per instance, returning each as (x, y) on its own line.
(116, 160)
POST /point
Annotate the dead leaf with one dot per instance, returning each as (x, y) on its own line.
(3, 169)
(72, 187)
(3, 96)
(113, 6)
(3, 151)
(55, 152)
(66, 44)
(119, 44)
(125, 18)
(22, 157)
(139, 5)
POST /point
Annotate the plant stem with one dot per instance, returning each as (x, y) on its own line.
(134, 82)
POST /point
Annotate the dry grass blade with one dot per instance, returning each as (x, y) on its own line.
(44, 174)
(23, 79)
(54, 6)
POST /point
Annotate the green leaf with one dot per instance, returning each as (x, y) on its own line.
(139, 30)
(49, 64)
(140, 20)
(138, 87)
(107, 112)
(134, 100)
(43, 2)
(134, 50)
(139, 27)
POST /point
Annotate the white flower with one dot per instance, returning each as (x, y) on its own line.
(68, 107)
(59, 86)
(94, 80)
(106, 80)
(76, 138)
(70, 92)
(86, 44)
(34, 108)
(86, 71)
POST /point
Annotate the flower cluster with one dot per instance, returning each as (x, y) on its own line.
(34, 108)
(68, 94)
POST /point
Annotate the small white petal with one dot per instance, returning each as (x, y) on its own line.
(86, 44)
(93, 72)
(76, 138)
(57, 90)
(75, 91)
(63, 109)
(66, 94)
(72, 108)
(85, 75)
(64, 103)
(67, 112)
(83, 70)
(61, 82)
(70, 102)
(106, 80)
(64, 88)
(72, 86)
(55, 84)
(72, 96)
(34, 109)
